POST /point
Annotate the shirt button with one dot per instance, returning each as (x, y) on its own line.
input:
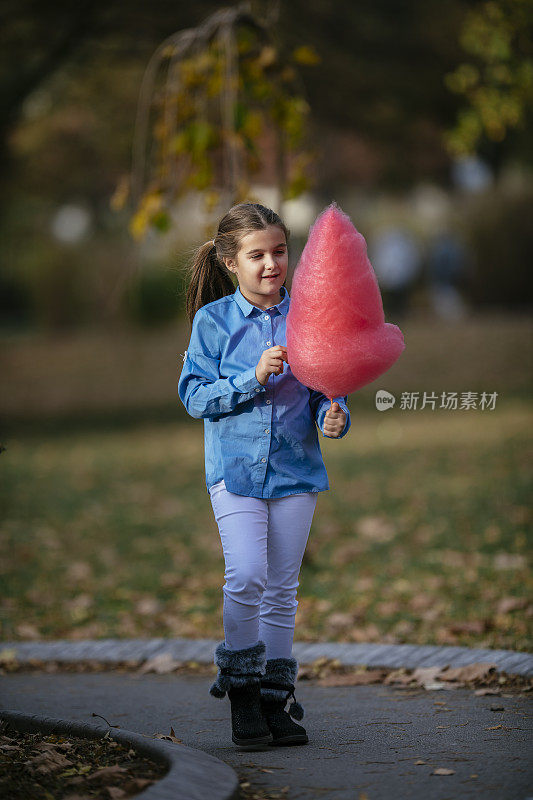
(267, 430)
(267, 316)
(257, 389)
(268, 402)
(269, 342)
(263, 460)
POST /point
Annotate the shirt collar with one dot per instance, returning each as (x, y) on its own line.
(247, 308)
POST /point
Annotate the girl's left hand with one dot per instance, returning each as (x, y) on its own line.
(334, 421)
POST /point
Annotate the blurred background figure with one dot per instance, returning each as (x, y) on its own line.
(396, 258)
(471, 174)
(447, 264)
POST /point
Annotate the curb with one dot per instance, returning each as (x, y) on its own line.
(192, 775)
(396, 656)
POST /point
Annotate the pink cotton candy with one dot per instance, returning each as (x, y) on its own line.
(337, 337)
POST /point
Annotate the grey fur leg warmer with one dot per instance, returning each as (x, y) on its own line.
(278, 683)
(238, 668)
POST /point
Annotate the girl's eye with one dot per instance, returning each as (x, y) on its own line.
(279, 253)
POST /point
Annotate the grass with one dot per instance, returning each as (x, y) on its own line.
(422, 538)
(89, 375)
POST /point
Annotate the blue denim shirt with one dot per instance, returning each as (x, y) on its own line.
(262, 440)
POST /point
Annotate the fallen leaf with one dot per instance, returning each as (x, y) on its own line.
(135, 785)
(340, 619)
(115, 792)
(398, 676)
(147, 606)
(474, 626)
(8, 655)
(375, 528)
(470, 672)
(426, 674)
(48, 762)
(507, 604)
(27, 630)
(78, 571)
(104, 773)
(504, 561)
(161, 664)
(170, 738)
(77, 796)
(440, 685)
(443, 771)
(354, 678)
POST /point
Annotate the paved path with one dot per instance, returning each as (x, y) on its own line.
(362, 739)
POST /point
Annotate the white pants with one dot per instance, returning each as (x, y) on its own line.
(263, 541)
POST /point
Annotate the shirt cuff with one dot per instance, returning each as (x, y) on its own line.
(247, 382)
(322, 414)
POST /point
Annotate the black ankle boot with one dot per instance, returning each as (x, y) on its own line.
(239, 675)
(276, 687)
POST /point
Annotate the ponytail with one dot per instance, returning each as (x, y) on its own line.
(209, 279)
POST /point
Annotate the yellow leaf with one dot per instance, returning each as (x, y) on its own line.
(306, 55)
(120, 195)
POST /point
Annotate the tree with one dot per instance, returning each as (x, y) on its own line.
(497, 80)
(225, 93)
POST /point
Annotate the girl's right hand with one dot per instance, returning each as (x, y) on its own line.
(271, 362)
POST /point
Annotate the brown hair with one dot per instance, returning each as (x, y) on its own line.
(209, 277)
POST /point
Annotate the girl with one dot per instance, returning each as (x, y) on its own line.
(263, 462)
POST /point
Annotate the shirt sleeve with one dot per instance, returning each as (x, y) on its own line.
(319, 405)
(200, 388)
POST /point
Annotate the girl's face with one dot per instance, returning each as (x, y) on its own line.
(261, 266)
